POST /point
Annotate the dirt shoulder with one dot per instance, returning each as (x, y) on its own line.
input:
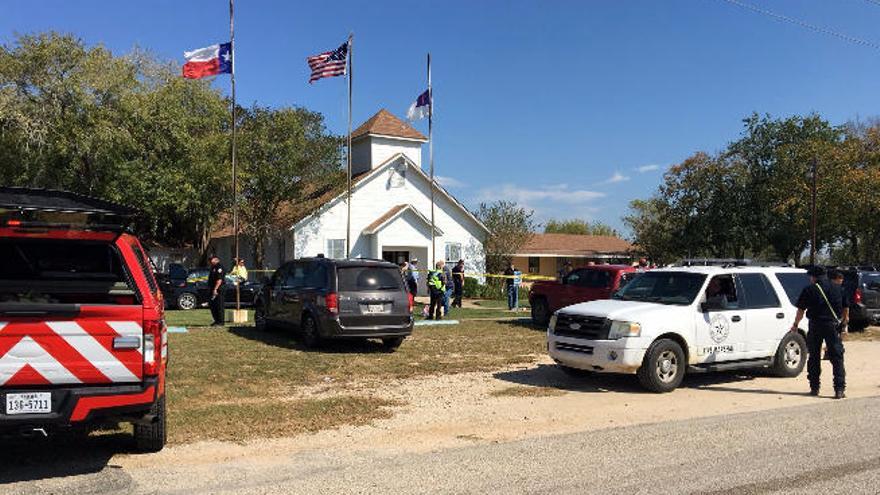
(521, 402)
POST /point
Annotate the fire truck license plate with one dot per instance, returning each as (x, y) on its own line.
(30, 403)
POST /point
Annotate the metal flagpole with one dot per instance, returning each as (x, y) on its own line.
(348, 197)
(234, 174)
(431, 161)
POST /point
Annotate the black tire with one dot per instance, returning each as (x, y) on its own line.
(309, 332)
(187, 301)
(540, 312)
(151, 437)
(573, 372)
(390, 344)
(663, 367)
(261, 324)
(791, 356)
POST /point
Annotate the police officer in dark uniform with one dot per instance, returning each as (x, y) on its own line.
(216, 279)
(823, 303)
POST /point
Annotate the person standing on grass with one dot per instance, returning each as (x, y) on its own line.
(436, 288)
(412, 279)
(822, 302)
(510, 286)
(458, 283)
(447, 293)
(216, 279)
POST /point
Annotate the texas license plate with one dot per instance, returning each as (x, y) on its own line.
(375, 308)
(29, 403)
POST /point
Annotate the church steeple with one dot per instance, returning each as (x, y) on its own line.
(381, 137)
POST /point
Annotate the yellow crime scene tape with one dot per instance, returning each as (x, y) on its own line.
(524, 276)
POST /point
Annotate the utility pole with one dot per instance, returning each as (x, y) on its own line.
(813, 213)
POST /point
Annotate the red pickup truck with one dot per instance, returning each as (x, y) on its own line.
(581, 285)
(82, 330)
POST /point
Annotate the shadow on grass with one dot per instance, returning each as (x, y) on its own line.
(524, 322)
(286, 338)
(34, 459)
(544, 375)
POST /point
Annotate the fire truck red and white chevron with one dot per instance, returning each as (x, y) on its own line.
(35, 352)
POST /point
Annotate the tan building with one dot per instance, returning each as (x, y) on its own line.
(546, 254)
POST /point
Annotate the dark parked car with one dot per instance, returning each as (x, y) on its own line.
(327, 299)
(188, 289)
(863, 287)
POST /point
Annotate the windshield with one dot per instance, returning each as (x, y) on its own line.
(369, 278)
(663, 288)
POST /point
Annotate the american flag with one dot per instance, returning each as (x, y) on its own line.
(328, 64)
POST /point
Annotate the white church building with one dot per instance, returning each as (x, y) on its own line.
(390, 209)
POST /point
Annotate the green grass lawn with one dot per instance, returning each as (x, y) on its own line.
(191, 318)
(238, 383)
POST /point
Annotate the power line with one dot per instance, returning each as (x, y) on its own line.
(806, 25)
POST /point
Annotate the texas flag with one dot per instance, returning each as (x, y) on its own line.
(208, 61)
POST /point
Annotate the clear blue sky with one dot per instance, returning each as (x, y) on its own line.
(554, 104)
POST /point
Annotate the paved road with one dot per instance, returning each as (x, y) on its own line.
(830, 447)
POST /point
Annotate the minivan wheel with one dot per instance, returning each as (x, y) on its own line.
(187, 301)
(391, 344)
(309, 331)
(540, 312)
(663, 367)
(151, 437)
(790, 356)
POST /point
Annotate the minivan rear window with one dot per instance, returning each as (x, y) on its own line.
(368, 278)
(44, 271)
(793, 284)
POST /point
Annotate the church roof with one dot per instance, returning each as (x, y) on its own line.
(393, 213)
(386, 124)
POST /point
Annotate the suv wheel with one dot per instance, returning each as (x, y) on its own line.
(391, 344)
(790, 356)
(151, 437)
(540, 312)
(309, 331)
(663, 368)
(187, 301)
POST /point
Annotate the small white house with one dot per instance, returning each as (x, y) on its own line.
(390, 209)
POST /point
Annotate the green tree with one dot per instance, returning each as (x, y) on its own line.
(283, 154)
(777, 154)
(510, 227)
(578, 226)
(127, 128)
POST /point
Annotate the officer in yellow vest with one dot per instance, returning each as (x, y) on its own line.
(436, 288)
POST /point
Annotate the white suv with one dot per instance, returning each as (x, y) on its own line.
(669, 321)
